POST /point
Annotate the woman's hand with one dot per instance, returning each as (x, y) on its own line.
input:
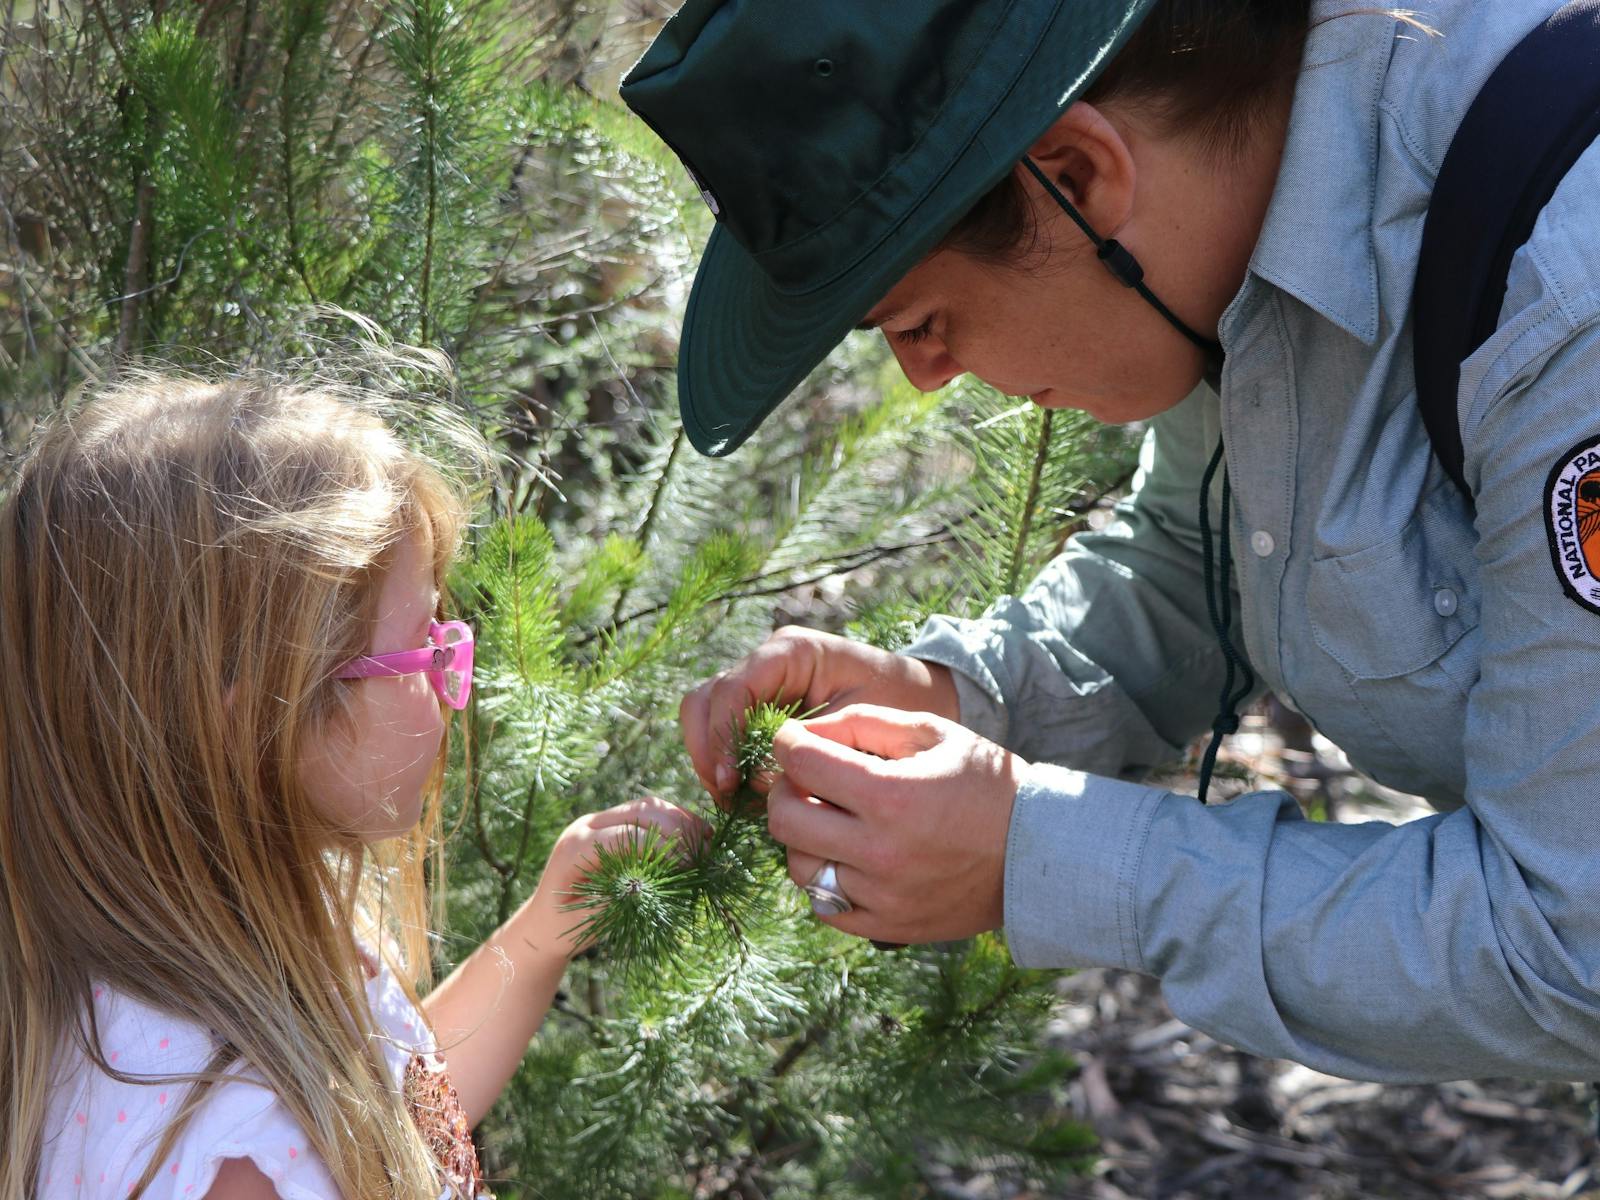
(913, 808)
(821, 671)
(574, 857)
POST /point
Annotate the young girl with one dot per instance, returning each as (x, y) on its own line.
(223, 672)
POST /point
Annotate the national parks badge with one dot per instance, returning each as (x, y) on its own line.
(1572, 519)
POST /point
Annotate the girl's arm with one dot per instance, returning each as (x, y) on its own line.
(487, 1011)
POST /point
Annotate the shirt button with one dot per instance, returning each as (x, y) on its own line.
(1261, 542)
(1445, 602)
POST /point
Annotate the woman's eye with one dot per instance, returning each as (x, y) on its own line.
(910, 337)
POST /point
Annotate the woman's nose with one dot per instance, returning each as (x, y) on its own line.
(927, 365)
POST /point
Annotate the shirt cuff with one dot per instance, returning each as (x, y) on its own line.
(977, 691)
(1072, 862)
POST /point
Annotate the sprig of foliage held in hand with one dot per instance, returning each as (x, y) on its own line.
(648, 898)
(752, 748)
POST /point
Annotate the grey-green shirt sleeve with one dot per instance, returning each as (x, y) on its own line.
(1107, 662)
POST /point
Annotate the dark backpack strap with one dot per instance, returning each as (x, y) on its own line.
(1531, 122)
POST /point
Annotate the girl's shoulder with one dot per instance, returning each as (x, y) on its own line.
(102, 1131)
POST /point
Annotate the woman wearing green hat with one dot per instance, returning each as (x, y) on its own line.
(1087, 204)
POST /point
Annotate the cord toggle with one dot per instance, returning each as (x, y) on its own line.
(1119, 260)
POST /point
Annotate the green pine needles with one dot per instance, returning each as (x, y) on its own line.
(754, 738)
(641, 895)
(649, 900)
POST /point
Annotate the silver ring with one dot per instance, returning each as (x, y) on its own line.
(827, 897)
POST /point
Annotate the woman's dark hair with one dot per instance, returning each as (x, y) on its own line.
(1205, 69)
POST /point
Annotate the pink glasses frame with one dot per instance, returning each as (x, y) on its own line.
(438, 661)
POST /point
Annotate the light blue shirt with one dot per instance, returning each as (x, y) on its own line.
(1438, 649)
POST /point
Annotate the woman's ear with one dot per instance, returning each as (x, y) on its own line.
(1090, 160)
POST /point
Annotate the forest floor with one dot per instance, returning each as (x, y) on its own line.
(1180, 1117)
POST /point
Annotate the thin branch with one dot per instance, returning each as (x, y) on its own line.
(177, 271)
(133, 276)
(286, 136)
(353, 77)
(1069, 528)
(1019, 548)
(754, 587)
(650, 514)
(795, 1049)
(746, 589)
(75, 352)
(236, 76)
(480, 834)
(20, 271)
(469, 325)
(430, 152)
(509, 879)
(596, 1030)
(111, 40)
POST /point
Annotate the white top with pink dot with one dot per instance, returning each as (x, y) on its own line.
(100, 1132)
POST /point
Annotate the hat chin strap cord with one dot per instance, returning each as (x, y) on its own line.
(1119, 260)
(1125, 267)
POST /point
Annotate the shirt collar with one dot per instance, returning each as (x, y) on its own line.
(1316, 242)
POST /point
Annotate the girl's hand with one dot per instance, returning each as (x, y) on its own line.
(821, 671)
(914, 809)
(487, 1011)
(574, 856)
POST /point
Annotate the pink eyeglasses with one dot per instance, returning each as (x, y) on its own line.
(447, 662)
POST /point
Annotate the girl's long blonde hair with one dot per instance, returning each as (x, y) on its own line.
(183, 566)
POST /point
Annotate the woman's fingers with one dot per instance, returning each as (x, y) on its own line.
(851, 883)
(712, 716)
(921, 837)
(879, 731)
(803, 867)
(812, 826)
(792, 665)
(727, 698)
(693, 720)
(855, 887)
(850, 757)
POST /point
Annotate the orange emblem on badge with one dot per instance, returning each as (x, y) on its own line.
(1572, 521)
(1589, 520)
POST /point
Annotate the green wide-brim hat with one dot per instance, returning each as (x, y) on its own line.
(837, 141)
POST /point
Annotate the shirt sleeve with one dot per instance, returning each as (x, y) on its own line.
(246, 1121)
(108, 1129)
(1460, 945)
(1110, 652)
(105, 1129)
